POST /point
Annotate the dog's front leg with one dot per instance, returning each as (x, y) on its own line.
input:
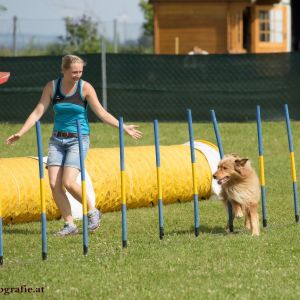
(237, 209)
(254, 219)
(247, 220)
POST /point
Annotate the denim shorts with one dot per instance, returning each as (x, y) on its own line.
(65, 151)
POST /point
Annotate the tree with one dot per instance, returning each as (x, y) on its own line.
(147, 9)
(2, 8)
(81, 37)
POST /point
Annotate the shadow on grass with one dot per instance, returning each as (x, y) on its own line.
(213, 230)
(21, 231)
(203, 229)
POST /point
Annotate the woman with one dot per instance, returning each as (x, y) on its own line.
(70, 96)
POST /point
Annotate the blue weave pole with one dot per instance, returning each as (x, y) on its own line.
(159, 187)
(123, 190)
(292, 158)
(218, 137)
(194, 173)
(261, 166)
(42, 189)
(84, 196)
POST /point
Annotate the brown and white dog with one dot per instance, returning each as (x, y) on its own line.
(240, 185)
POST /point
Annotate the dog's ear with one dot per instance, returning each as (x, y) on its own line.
(239, 164)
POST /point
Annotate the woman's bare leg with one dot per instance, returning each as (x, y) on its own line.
(55, 174)
(69, 182)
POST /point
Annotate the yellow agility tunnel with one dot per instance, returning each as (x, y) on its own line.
(20, 183)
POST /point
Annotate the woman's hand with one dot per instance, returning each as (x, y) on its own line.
(131, 131)
(13, 138)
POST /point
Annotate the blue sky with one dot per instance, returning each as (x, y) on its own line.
(38, 16)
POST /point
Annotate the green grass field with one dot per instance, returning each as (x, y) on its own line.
(216, 265)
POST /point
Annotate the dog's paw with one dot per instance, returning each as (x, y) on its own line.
(239, 214)
(255, 233)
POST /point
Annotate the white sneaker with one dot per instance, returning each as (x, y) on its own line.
(94, 218)
(68, 229)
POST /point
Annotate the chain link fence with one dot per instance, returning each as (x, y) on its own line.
(145, 87)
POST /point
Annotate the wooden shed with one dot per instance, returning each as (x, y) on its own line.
(221, 26)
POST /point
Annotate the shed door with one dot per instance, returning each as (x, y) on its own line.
(269, 29)
(235, 28)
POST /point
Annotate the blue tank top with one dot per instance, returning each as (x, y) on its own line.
(69, 108)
